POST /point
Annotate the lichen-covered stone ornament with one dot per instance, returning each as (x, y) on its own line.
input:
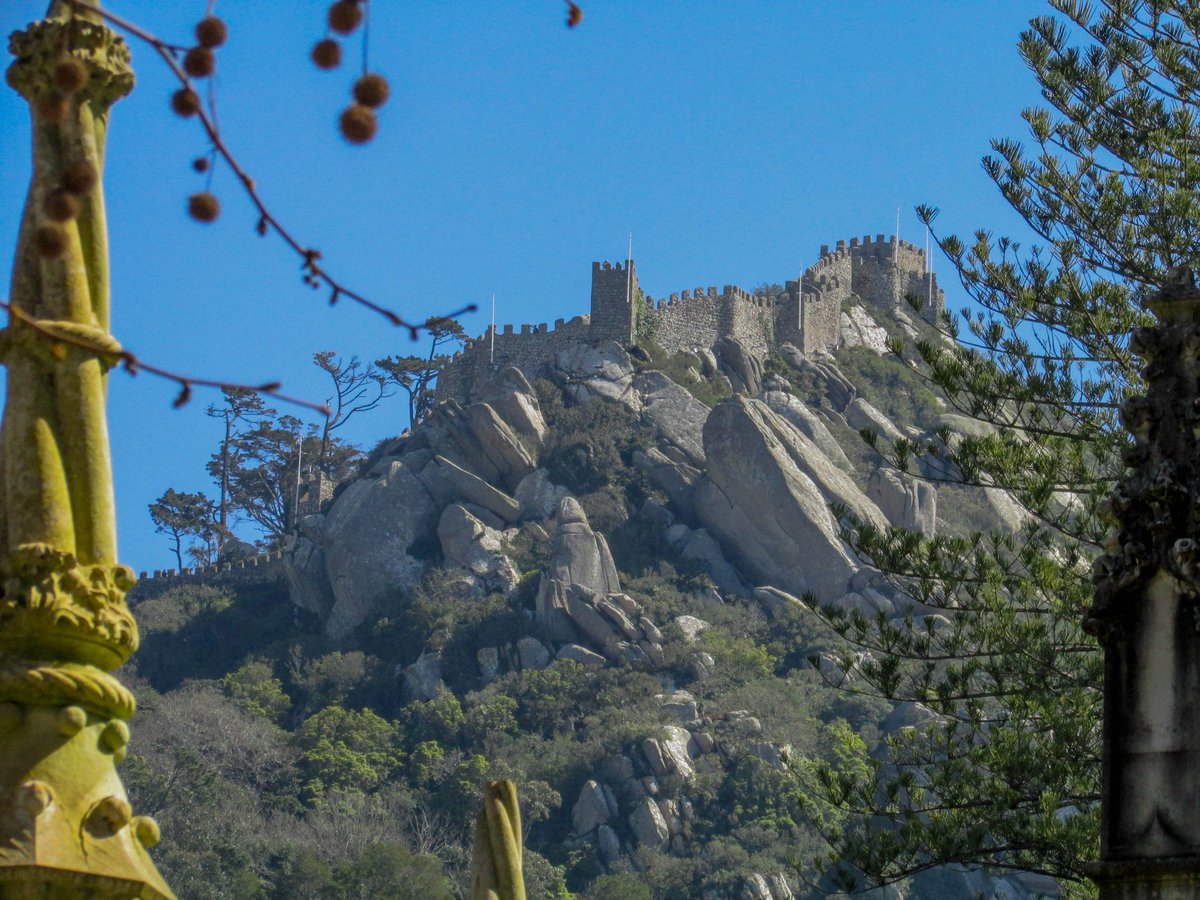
(66, 826)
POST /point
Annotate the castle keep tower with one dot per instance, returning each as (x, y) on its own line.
(614, 306)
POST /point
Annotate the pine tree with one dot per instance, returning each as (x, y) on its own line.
(1002, 770)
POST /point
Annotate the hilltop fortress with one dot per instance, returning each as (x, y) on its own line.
(811, 313)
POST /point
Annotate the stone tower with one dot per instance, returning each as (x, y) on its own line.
(614, 306)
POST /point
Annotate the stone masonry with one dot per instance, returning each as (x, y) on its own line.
(880, 274)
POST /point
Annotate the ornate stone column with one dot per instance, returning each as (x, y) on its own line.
(1147, 615)
(66, 827)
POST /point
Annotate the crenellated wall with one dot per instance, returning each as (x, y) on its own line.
(262, 569)
(701, 317)
(531, 348)
(614, 287)
(878, 272)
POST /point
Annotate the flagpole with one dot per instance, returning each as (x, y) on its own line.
(492, 360)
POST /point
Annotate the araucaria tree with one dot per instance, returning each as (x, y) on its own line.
(1003, 770)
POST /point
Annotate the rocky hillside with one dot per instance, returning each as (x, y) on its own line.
(593, 583)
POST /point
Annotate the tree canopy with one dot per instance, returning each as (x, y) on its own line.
(1002, 768)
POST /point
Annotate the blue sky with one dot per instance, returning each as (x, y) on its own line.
(731, 138)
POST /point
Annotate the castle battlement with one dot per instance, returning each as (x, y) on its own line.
(729, 292)
(877, 271)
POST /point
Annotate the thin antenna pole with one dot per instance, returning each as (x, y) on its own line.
(897, 235)
(492, 360)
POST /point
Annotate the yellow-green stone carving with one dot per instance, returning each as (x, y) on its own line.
(496, 857)
(66, 827)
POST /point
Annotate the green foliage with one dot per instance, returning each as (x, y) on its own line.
(1005, 771)
(187, 517)
(590, 443)
(645, 322)
(416, 375)
(347, 750)
(255, 689)
(550, 698)
(897, 391)
(618, 887)
(330, 678)
(388, 871)
(490, 718)
(738, 658)
(201, 631)
(685, 369)
(438, 719)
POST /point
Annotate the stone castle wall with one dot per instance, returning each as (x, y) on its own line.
(701, 317)
(878, 272)
(267, 568)
(531, 348)
(614, 287)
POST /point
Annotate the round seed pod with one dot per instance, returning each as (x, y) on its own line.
(371, 90)
(52, 107)
(211, 32)
(61, 206)
(203, 207)
(185, 102)
(358, 123)
(200, 164)
(79, 178)
(50, 241)
(69, 74)
(345, 16)
(327, 54)
(199, 62)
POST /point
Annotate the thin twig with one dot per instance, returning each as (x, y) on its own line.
(266, 221)
(132, 364)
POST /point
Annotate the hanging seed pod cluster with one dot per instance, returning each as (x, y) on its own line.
(358, 122)
(200, 62)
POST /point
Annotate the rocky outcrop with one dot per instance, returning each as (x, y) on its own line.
(593, 808)
(304, 568)
(698, 544)
(677, 417)
(862, 415)
(537, 496)
(579, 557)
(514, 400)
(369, 550)
(366, 540)
(744, 368)
(906, 501)
(808, 424)
(596, 370)
(767, 492)
(467, 543)
(423, 679)
(674, 477)
(579, 600)
(838, 388)
(860, 330)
